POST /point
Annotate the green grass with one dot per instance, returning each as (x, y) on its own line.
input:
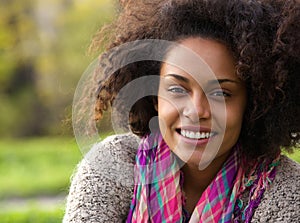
(32, 216)
(40, 166)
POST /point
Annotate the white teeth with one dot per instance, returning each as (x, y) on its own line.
(196, 135)
(203, 135)
(191, 135)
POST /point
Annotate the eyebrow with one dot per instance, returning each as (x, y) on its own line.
(220, 81)
(216, 81)
(178, 77)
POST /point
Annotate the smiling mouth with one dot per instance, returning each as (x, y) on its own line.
(195, 134)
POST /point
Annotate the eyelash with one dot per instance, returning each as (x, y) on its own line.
(182, 91)
(221, 93)
(177, 90)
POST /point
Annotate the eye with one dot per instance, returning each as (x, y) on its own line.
(221, 93)
(177, 90)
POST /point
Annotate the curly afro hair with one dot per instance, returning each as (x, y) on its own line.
(264, 38)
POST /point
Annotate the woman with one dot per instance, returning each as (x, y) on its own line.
(226, 104)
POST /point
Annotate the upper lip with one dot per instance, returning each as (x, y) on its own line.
(195, 128)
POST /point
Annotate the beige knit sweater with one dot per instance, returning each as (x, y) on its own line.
(102, 186)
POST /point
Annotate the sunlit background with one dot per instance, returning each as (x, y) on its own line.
(43, 53)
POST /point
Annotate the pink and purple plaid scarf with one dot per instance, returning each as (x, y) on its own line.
(158, 188)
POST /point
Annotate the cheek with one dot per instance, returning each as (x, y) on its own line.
(167, 113)
(234, 118)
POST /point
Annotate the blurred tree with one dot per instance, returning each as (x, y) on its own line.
(64, 62)
(42, 56)
(20, 106)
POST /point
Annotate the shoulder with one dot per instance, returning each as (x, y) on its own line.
(113, 150)
(101, 187)
(281, 202)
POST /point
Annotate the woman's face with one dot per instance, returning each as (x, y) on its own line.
(195, 110)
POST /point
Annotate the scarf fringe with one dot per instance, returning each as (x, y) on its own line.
(259, 179)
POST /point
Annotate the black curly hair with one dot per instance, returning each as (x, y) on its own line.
(264, 37)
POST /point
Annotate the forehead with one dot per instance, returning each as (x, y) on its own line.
(200, 58)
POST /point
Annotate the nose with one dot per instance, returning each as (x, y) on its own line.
(197, 107)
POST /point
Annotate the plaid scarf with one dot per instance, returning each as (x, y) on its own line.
(158, 193)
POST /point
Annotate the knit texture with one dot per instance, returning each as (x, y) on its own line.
(102, 186)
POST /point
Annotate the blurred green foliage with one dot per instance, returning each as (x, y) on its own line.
(43, 45)
(294, 156)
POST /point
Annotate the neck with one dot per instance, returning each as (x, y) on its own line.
(196, 181)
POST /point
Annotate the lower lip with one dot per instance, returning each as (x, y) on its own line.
(195, 142)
